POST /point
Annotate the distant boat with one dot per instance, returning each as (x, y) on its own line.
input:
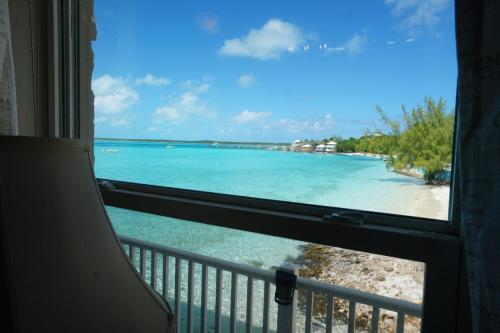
(168, 147)
(110, 150)
(215, 144)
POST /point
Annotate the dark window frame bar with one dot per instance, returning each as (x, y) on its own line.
(435, 243)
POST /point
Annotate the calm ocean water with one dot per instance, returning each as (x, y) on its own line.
(333, 180)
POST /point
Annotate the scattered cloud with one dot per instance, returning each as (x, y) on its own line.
(246, 80)
(269, 42)
(98, 120)
(417, 14)
(356, 44)
(115, 120)
(196, 86)
(247, 117)
(334, 50)
(112, 94)
(112, 97)
(185, 105)
(390, 42)
(410, 40)
(208, 22)
(154, 129)
(299, 126)
(151, 80)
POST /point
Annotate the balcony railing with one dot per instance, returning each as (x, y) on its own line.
(196, 286)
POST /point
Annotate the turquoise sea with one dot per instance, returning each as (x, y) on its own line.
(333, 180)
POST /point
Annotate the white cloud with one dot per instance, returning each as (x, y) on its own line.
(269, 42)
(246, 80)
(416, 14)
(185, 105)
(114, 120)
(208, 23)
(152, 80)
(112, 97)
(98, 120)
(203, 88)
(334, 50)
(196, 86)
(154, 129)
(299, 126)
(390, 42)
(410, 40)
(182, 107)
(169, 114)
(247, 117)
(356, 44)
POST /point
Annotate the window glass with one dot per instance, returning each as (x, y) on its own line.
(347, 104)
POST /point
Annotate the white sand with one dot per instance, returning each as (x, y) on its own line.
(432, 202)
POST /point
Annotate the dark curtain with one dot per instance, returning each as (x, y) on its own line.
(476, 205)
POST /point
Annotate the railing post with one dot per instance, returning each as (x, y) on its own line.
(287, 314)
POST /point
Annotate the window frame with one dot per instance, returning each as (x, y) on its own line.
(440, 251)
(64, 32)
(435, 243)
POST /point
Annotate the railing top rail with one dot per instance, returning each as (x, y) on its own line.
(361, 297)
(358, 296)
(201, 259)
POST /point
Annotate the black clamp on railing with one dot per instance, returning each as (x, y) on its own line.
(346, 217)
(285, 287)
(107, 185)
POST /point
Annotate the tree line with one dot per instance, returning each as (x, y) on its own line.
(422, 140)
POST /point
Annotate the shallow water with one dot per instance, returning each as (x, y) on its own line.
(332, 180)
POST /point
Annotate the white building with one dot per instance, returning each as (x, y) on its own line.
(320, 148)
(331, 147)
(296, 145)
(306, 148)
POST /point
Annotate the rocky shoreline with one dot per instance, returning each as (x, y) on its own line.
(391, 277)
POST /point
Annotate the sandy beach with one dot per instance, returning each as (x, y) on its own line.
(432, 202)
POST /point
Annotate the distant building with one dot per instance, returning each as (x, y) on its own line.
(306, 148)
(296, 145)
(320, 148)
(331, 147)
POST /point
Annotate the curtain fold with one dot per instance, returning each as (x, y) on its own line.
(8, 110)
(477, 178)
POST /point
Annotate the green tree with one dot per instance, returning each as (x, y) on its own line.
(425, 142)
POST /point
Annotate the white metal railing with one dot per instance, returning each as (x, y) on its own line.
(209, 279)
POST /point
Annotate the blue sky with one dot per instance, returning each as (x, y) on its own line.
(266, 70)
